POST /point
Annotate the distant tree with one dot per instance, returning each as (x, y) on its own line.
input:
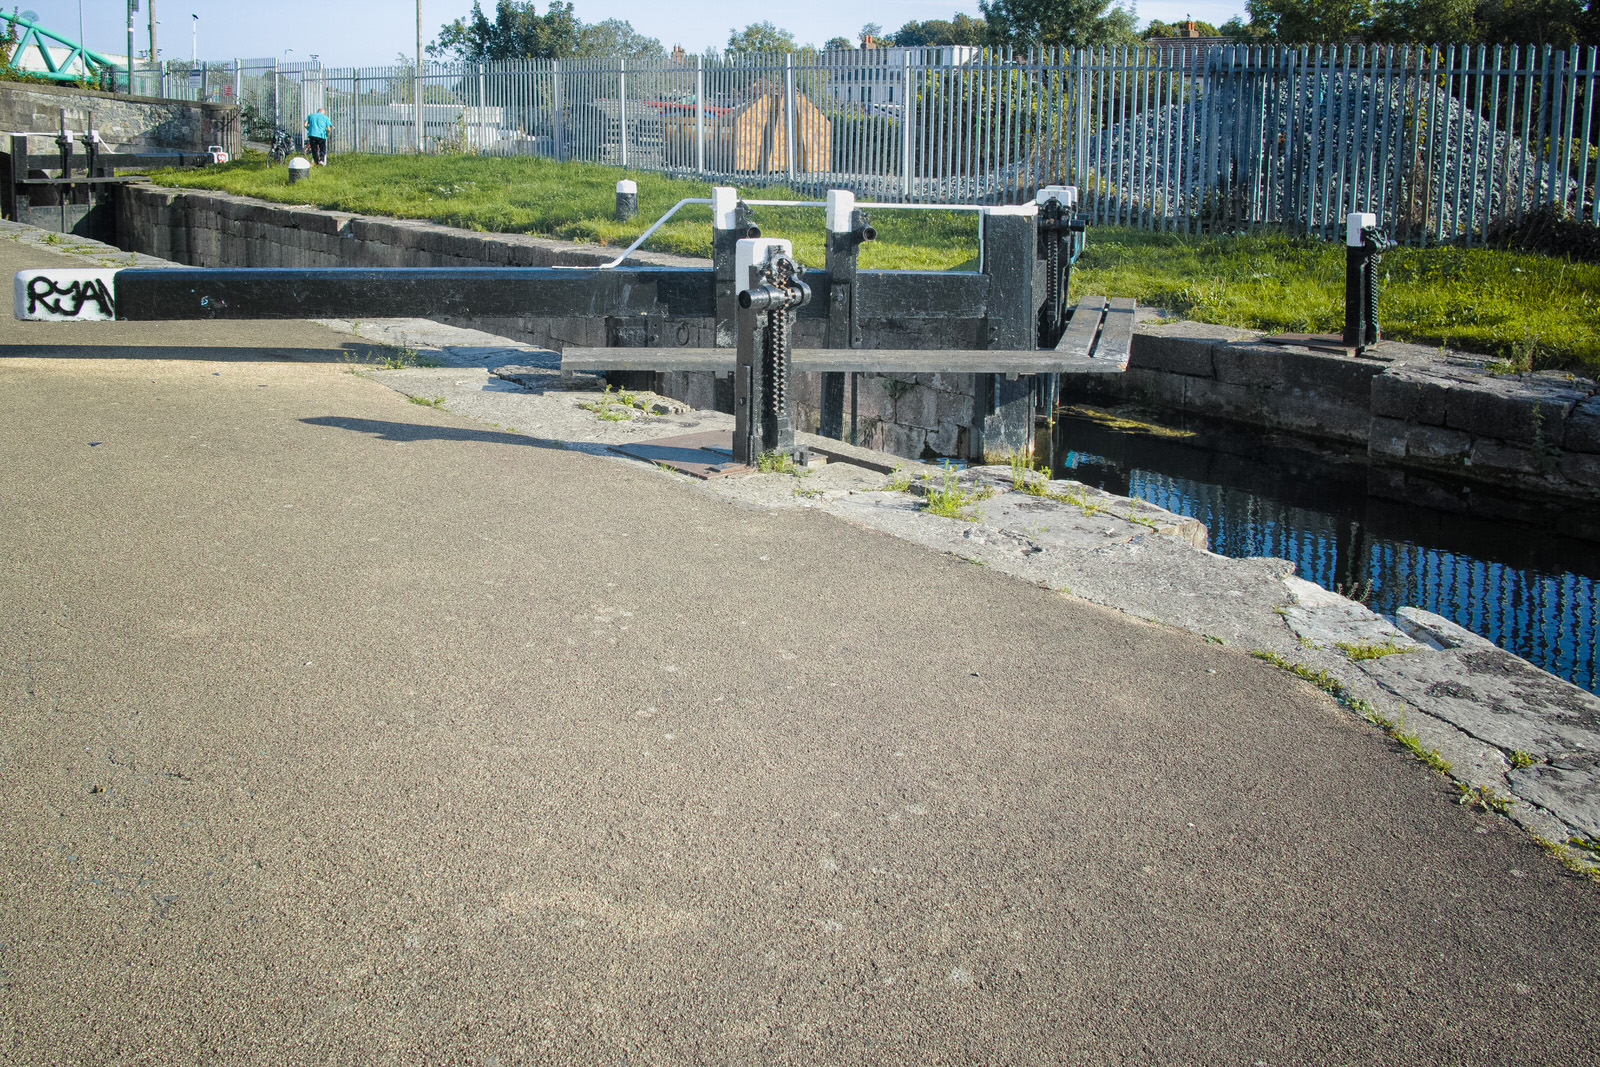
(615, 37)
(959, 29)
(761, 37)
(872, 30)
(838, 44)
(517, 32)
(1071, 23)
(1311, 21)
(1425, 21)
(1157, 29)
(1241, 29)
(1553, 22)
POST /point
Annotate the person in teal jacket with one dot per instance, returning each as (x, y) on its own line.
(317, 127)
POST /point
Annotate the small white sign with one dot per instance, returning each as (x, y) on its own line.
(65, 295)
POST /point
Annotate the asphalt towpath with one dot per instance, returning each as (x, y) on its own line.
(340, 729)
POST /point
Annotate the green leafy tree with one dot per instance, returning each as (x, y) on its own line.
(517, 32)
(1241, 29)
(960, 29)
(872, 30)
(615, 37)
(761, 37)
(1311, 21)
(1068, 23)
(838, 44)
(1554, 22)
(1426, 21)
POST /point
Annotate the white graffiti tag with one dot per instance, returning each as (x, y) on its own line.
(65, 295)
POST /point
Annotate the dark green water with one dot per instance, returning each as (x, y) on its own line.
(1501, 567)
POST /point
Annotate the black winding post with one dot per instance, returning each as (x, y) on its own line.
(770, 289)
(1364, 245)
(1061, 238)
(847, 229)
(1004, 404)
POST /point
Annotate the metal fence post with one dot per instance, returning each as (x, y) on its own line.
(622, 108)
(905, 128)
(788, 111)
(557, 130)
(700, 114)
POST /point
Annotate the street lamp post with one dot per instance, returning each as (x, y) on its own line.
(194, 43)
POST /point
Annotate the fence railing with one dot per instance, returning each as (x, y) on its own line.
(1440, 141)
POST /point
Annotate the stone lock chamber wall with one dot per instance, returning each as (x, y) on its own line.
(1420, 414)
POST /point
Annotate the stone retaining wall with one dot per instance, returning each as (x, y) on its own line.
(127, 123)
(1408, 406)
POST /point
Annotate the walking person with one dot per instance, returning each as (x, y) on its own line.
(317, 127)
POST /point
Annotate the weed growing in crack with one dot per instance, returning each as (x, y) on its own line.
(606, 406)
(1335, 688)
(775, 463)
(1356, 651)
(1026, 478)
(951, 501)
(1569, 858)
(1484, 798)
(1359, 590)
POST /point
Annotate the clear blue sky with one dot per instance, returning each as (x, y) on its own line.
(371, 32)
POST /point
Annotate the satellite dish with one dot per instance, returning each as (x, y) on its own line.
(31, 16)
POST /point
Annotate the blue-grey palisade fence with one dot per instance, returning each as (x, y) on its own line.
(1440, 141)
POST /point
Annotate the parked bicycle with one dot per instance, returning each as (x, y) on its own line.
(282, 145)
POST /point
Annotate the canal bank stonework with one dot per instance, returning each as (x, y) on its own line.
(1409, 408)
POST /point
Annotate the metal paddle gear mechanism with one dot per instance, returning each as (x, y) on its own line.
(771, 290)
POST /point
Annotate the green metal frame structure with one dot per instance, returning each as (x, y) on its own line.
(92, 66)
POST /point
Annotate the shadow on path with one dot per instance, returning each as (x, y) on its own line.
(356, 355)
(411, 431)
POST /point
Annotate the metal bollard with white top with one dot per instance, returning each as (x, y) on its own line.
(627, 200)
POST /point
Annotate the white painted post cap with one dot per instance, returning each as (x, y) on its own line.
(1358, 221)
(628, 188)
(751, 251)
(1065, 195)
(841, 205)
(724, 206)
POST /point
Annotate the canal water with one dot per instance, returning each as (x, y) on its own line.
(1517, 581)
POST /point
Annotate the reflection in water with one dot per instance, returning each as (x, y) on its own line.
(1521, 585)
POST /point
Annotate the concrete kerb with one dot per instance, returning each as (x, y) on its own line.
(1113, 551)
